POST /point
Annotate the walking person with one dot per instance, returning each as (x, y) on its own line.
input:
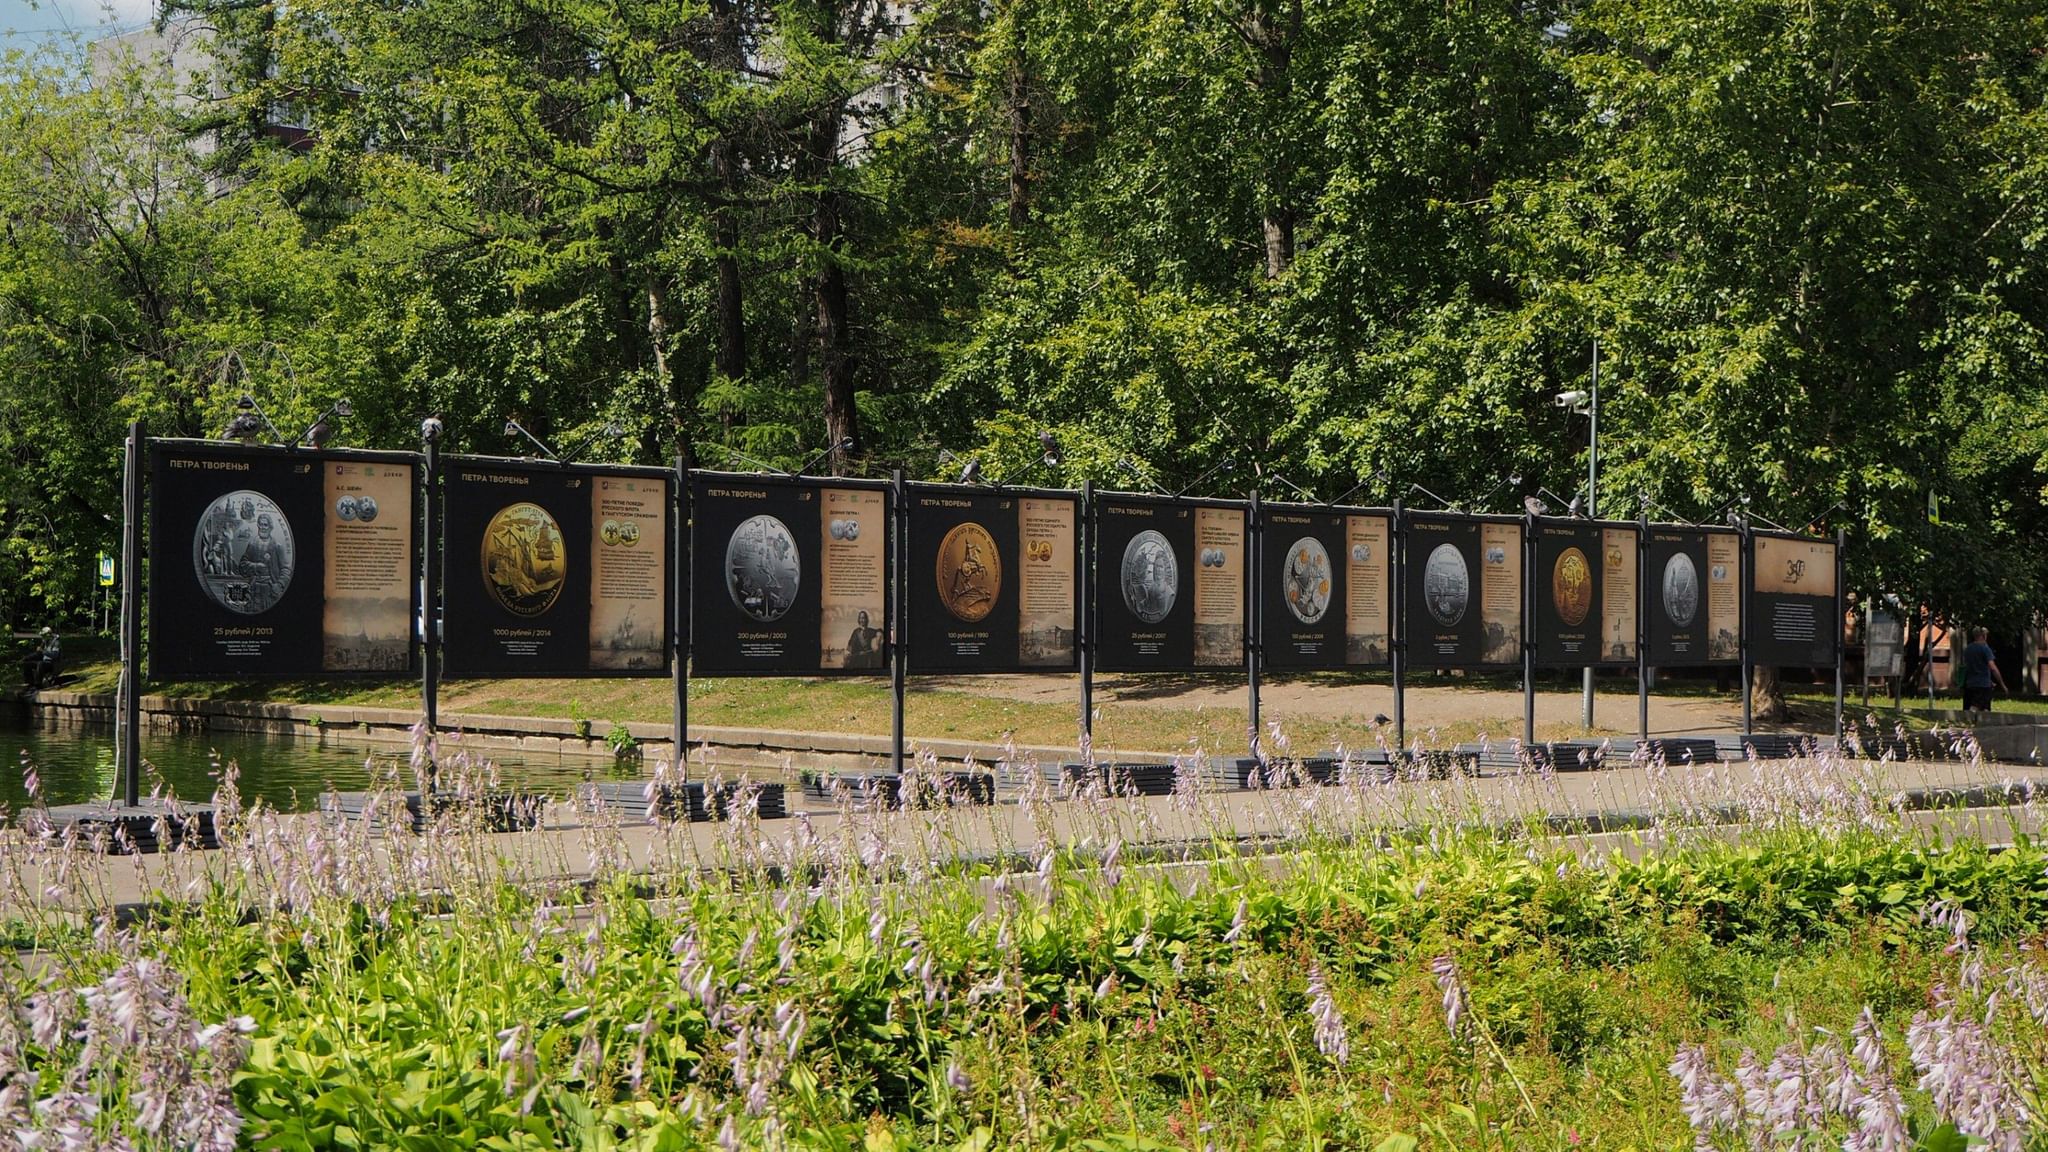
(1980, 672)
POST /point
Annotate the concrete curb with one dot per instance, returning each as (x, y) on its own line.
(729, 747)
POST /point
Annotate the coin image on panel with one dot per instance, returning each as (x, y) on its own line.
(243, 553)
(970, 572)
(346, 508)
(610, 533)
(1150, 577)
(366, 508)
(1571, 587)
(762, 569)
(1306, 580)
(1681, 589)
(1446, 585)
(524, 559)
(1361, 553)
(629, 533)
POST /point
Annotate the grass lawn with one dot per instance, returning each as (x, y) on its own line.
(1137, 722)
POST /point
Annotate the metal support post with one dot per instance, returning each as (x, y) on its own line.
(1528, 641)
(679, 629)
(129, 752)
(899, 649)
(1592, 508)
(430, 592)
(430, 597)
(1842, 542)
(1084, 639)
(1643, 626)
(1255, 557)
(1397, 540)
(1747, 560)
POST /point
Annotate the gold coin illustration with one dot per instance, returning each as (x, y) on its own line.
(1571, 587)
(524, 561)
(970, 572)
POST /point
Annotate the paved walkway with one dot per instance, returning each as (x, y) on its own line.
(573, 846)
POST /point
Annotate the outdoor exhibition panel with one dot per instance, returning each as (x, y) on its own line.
(270, 561)
(1694, 586)
(1463, 591)
(1793, 616)
(789, 576)
(1169, 585)
(994, 579)
(1325, 586)
(553, 569)
(1584, 613)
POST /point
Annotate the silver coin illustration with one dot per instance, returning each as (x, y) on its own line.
(243, 553)
(1681, 589)
(1150, 577)
(1446, 585)
(762, 569)
(1306, 580)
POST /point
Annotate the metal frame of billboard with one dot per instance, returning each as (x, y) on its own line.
(428, 601)
(673, 608)
(149, 517)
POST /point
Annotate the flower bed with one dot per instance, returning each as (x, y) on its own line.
(1821, 980)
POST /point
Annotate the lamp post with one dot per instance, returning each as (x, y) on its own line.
(1589, 403)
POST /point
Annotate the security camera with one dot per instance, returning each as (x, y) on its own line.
(430, 429)
(1575, 398)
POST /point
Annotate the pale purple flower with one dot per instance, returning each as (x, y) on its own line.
(1237, 923)
(1446, 969)
(1962, 1069)
(1880, 1114)
(49, 1016)
(1330, 1036)
(1710, 1101)
(957, 1080)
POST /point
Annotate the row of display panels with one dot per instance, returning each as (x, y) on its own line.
(793, 576)
(270, 562)
(309, 563)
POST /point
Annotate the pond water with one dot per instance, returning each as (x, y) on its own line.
(76, 763)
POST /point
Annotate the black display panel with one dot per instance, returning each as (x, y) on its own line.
(994, 579)
(555, 569)
(1169, 584)
(273, 562)
(1301, 587)
(788, 576)
(1692, 593)
(1793, 617)
(1463, 592)
(1585, 604)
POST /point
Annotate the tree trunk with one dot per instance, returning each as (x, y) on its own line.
(833, 327)
(1767, 695)
(1274, 45)
(1279, 228)
(730, 356)
(679, 401)
(1020, 128)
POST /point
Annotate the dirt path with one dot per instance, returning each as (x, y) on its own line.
(1429, 705)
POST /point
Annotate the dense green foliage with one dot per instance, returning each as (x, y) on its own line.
(1083, 1008)
(1335, 241)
